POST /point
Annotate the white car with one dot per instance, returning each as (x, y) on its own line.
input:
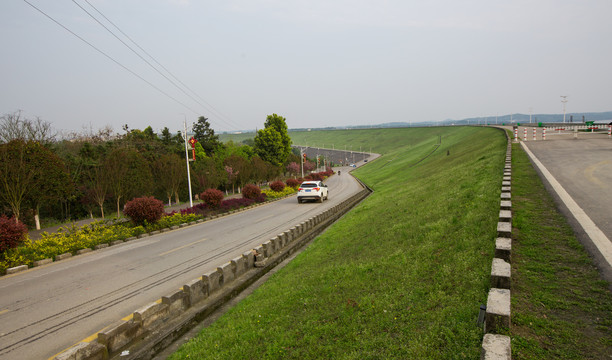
(312, 190)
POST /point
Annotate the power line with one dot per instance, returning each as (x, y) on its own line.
(218, 113)
(110, 58)
(136, 53)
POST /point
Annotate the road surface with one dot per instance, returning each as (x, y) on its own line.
(583, 168)
(45, 310)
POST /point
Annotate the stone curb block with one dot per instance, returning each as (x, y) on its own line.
(497, 317)
(500, 274)
(84, 251)
(504, 229)
(495, 347)
(16, 269)
(100, 246)
(42, 262)
(63, 256)
(503, 248)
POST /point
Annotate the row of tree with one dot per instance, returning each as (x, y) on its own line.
(92, 173)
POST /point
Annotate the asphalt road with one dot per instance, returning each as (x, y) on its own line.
(45, 310)
(583, 167)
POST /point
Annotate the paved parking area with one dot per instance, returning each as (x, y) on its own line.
(583, 169)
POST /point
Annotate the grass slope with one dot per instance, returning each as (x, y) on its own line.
(400, 276)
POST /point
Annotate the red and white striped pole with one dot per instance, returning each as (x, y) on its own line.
(516, 134)
(524, 134)
(609, 130)
(534, 134)
(543, 133)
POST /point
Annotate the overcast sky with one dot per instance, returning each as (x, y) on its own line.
(317, 63)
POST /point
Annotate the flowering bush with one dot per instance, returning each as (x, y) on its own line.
(201, 210)
(277, 185)
(12, 233)
(251, 191)
(144, 210)
(294, 183)
(232, 204)
(212, 198)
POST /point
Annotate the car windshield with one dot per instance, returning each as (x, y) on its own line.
(309, 185)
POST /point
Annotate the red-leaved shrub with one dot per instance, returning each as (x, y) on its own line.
(212, 198)
(277, 186)
(12, 233)
(251, 191)
(294, 183)
(143, 209)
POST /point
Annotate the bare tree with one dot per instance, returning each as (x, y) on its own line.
(15, 126)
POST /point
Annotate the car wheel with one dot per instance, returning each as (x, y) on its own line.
(320, 199)
(299, 201)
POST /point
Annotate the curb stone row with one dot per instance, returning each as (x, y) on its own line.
(497, 312)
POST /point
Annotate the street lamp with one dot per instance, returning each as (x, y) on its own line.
(564, 101)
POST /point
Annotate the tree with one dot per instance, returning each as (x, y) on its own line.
(205, 135)
(129, 175)
(14, 126)
(51, 181)
(294, 168)
(269, 146)
(170, 173)
(166, 136)
(279, 124)
(273, 143)
(31, 174)
(16, 176)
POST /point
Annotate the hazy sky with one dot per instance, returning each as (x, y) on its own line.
(317, 63)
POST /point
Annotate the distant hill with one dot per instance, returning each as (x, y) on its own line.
(504, 119)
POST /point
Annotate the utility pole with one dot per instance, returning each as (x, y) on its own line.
(564, 101)
(187, 159)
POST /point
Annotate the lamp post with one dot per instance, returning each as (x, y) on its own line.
(564, 101)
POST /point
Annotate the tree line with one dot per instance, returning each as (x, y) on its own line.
(97, 172)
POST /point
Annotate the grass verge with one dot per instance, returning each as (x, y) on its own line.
(561, 308)
(401, 276)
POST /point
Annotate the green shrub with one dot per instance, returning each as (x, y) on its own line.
(271, 194)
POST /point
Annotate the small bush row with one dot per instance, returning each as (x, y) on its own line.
(146, 215)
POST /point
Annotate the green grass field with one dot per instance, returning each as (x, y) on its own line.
(403, 274)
